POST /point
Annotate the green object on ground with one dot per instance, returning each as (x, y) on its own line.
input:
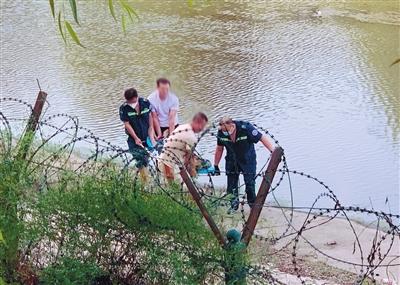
(233, 235)
(235, 259)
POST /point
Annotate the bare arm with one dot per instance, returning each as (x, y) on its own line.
(132, 133)
(171, 120)
(151, 130)
(218, 154)
(265, 141)
(156, 124)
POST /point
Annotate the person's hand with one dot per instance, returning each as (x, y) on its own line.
(139, 142)
(217, 172)
(166, 134)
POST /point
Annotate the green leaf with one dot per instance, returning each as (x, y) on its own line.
(72, 33)
(2, 282)
(51, 2)
(60, 28)
(74, 10)
(123, 22)
(130, 17)
(133, 12)
(129, 10)
(396, 61)
(111, 7)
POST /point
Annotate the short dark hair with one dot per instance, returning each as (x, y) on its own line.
(130, 93)
(225, 121)
(200, 116)
(163, 80)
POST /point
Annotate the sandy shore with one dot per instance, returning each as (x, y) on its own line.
(334, 238)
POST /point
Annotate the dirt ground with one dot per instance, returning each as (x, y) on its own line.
(326, 254)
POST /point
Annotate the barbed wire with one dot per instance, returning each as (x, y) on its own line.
(62, 132)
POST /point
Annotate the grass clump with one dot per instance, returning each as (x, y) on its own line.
(96, 227)
(71, 271)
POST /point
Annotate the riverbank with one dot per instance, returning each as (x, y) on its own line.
(337, 259)
(337, 251)
(334, 239)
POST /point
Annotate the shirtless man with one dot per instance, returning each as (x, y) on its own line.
(179, 145)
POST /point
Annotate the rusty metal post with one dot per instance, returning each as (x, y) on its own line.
(31, 127)
(261, 195)
(203, 210)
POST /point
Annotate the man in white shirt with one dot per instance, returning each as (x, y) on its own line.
(165, 106)
(178, 148)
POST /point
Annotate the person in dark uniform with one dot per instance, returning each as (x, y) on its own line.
(135, 113)
(238, 138)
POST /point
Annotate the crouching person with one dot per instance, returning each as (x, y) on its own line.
(177, 151)
(136, 116)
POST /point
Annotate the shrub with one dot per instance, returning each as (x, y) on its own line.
(100, 224)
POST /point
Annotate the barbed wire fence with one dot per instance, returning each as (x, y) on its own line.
(63, 133)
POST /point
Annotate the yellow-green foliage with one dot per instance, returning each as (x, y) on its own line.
(98, 225)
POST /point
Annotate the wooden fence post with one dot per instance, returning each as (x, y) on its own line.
(31, 127)
(254, 213)
(261, 195)
(10, 231)
(196, 197)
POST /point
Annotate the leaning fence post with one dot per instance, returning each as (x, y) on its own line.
(31, 127)
(9, 226)
(234, 273)
(261, 195)
(203, 210)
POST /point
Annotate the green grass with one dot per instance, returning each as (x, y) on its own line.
(69, 228)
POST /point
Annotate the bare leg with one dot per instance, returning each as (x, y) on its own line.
(169, 173)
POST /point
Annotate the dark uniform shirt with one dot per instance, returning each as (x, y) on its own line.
(240, 153)
(138, 121)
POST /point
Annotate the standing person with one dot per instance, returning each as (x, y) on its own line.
(136, 116)
(165, 107)
(178, 148)
(239, 137)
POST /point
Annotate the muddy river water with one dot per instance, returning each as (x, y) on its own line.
(322, 85)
